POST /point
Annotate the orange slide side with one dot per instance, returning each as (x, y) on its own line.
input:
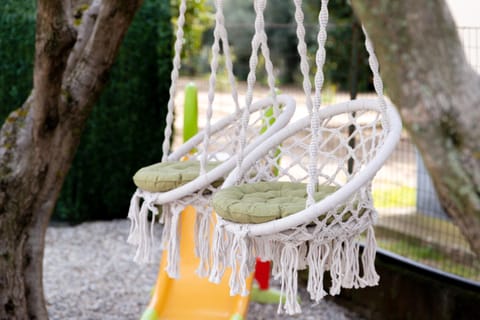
(191, 297)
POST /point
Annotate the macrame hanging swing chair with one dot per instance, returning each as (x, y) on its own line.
(192, 173)
(314, 201)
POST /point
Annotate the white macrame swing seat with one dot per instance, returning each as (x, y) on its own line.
(316, 151)
(221, 144)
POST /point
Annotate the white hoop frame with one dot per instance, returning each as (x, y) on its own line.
(223, 169)
(341, 195)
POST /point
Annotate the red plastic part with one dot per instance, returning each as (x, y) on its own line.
(262, 274)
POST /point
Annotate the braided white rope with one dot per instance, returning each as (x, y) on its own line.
(269, 65)
(266, 54)
(377, 80)
(220, 33)
(174, 79)
(212, 84)
(228, 56)
(269, 70)
(259, 41)
(302, 51)
(329, 227)
(315, 122)
(259, 6)
(270, 77)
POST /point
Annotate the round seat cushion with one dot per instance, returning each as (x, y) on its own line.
(166, 176)
(264, 201)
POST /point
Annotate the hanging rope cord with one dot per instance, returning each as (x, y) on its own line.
(302, 51)
(219, 33)
(377, 80)
(174, 79)
(259, 41)
(319, 80)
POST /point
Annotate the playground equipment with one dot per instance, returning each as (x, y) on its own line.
(175, 184)
(314, 206)
(192, 297)
(307, 209)
(206, 300)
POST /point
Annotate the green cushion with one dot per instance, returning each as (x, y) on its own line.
(165, 176)
(264, 201)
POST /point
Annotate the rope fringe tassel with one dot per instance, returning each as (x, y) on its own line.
(340, 257)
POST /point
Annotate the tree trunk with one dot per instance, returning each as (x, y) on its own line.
(39, 140)
(430, 81)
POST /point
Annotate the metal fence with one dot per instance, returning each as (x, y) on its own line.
(411, 221)
(470, 37)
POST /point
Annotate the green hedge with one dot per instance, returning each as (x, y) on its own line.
(17, 46)
(125, 129)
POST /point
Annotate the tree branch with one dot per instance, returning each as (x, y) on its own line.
(89, 74)
(38, 141)
(85, 30)
(55, 37)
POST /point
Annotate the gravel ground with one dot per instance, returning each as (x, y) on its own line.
(89, 274)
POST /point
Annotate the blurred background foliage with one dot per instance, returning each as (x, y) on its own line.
(125, 130)
(17, 46)
(343, 35)
(199, 17)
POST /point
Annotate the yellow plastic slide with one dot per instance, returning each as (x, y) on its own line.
(191, 297)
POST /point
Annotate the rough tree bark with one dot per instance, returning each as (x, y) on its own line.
(429, 79)
(38, 141)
